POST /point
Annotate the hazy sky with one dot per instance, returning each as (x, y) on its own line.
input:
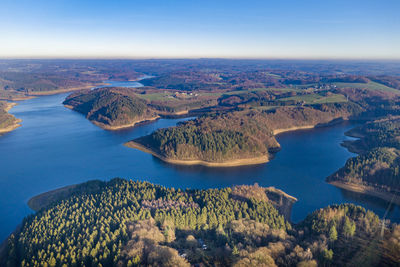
(217, 28)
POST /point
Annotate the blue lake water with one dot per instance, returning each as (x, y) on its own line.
(127, 84)
(56, 147)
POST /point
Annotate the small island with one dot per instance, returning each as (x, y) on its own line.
(8, 122)
(236, 138)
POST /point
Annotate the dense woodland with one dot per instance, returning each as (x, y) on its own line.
(213, 138)
(378, 163)
(113, 224)
(379, 133)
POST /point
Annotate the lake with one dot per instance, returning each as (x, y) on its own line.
(56, 147)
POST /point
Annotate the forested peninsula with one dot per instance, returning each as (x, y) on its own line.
(132, 223)
(111, 108)
(237, 138)
(375, 171)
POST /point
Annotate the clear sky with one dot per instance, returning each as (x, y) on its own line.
(366, 29)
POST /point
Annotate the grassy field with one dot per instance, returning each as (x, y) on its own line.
(317, 98)
(273, 75)
(268, 107)
(157, 96)
(369, 86)
(238, 92)
(170, 95)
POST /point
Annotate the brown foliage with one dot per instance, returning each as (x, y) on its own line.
(249, 191)
(258, 258)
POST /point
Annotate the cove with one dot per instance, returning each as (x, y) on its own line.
(56, 147)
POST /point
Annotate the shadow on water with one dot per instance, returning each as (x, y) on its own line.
(208, 170)
(372, 201)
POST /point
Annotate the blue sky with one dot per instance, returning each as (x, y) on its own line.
(168, 28)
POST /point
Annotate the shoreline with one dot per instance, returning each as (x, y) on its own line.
(11, 127)
(172, 114)
(291, 129)
(124, 126)
(35, 203)
(282, 201)
(19, 98)
(65, 90)
(351, 147)
(17, 122)
(368, 190)
(9, 106)
(311, 126)
(120, 127)
(231, 163)
(32, 95)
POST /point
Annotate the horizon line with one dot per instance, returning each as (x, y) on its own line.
(196, 58)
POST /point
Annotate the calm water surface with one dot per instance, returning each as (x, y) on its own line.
(57, 147)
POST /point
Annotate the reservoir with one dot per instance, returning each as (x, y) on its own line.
(56, 147)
